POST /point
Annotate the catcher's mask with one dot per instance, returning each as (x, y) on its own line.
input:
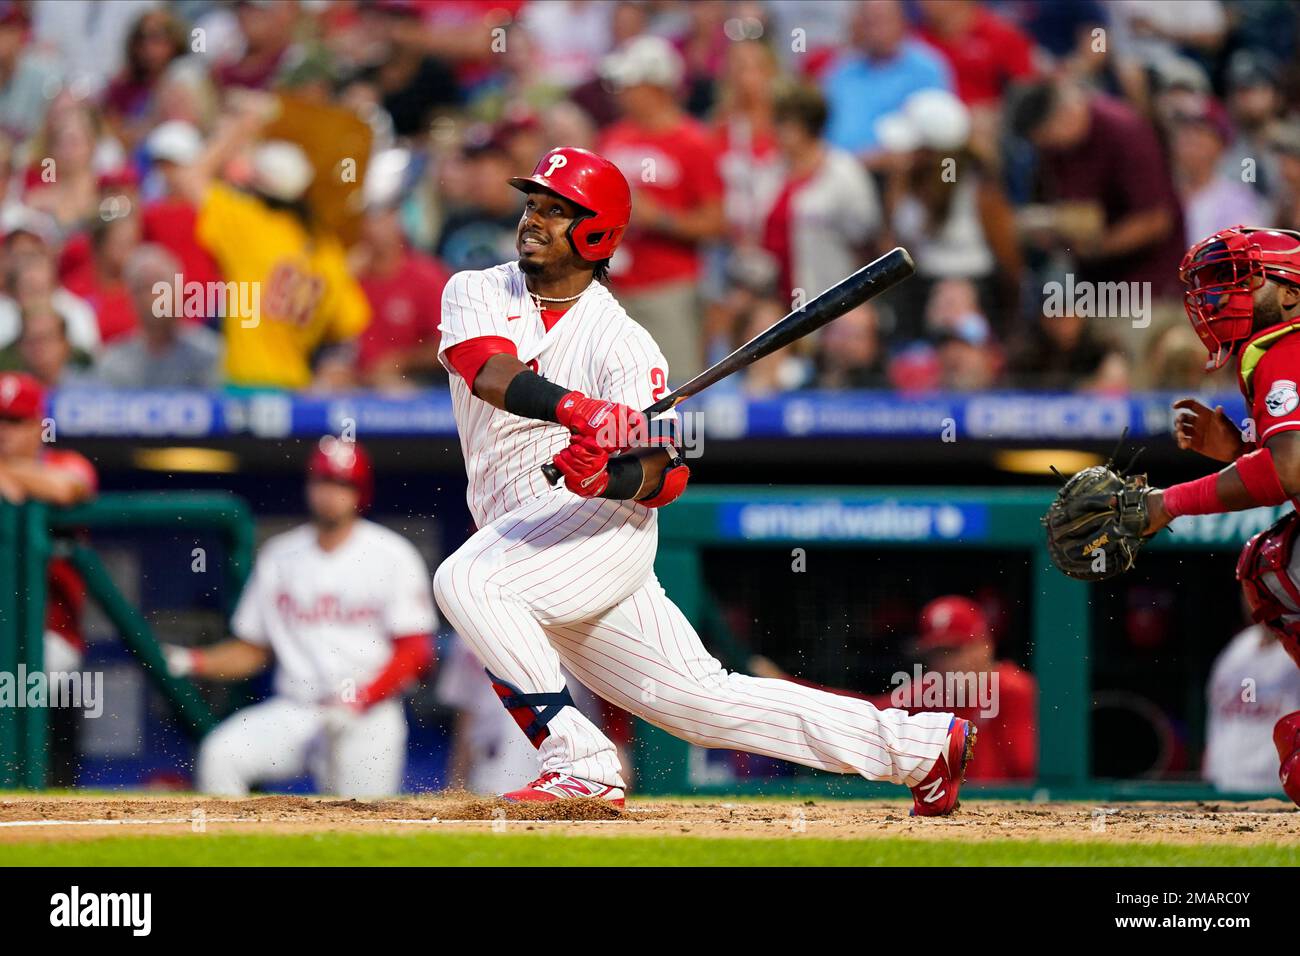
(1221, 274)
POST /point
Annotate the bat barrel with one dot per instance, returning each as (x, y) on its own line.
(849, 293)
(868, 282)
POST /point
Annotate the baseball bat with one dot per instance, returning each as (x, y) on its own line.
(849, 293)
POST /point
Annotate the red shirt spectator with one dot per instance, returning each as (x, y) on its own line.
(986, 53)
(677, 170)
(404, 309)
(1113, 158)
(97, 277)
(171, 223)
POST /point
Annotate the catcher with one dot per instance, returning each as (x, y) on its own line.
(1243, 298)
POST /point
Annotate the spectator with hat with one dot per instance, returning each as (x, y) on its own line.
(671, 162)
(955, 638)
(292, 308)
(947, 206)
(170, 218)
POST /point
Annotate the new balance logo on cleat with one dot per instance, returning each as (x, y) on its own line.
(933, 791)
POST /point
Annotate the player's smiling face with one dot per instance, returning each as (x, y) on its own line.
(542, 240)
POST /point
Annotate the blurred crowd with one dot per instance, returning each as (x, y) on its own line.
(256, 195)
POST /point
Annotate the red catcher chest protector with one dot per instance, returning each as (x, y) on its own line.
(1269, 572)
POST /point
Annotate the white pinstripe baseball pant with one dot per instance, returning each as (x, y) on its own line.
(565, 580)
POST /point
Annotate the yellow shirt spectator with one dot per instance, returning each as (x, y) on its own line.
(288, 292)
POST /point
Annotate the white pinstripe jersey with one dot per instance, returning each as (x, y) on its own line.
(594, 348)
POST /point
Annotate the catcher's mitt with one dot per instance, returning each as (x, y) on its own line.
(1095, 525)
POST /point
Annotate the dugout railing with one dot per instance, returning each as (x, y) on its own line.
(32, 533)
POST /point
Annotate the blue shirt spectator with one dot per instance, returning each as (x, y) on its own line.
(878, 77)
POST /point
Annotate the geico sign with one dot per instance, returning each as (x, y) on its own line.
(157, 414)
(1033, 417)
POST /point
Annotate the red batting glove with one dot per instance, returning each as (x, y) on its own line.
(615, 427)
(584, 465)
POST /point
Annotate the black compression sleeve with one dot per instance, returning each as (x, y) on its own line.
(530, 396)
(625, 478)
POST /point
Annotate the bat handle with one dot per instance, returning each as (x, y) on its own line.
(552, 473)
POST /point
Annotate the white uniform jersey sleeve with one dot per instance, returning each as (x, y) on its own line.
(249, 620)
(474, 304)
(410, 607)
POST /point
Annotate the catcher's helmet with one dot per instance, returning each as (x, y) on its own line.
(595, 184)
(1222, 272)
(336, 460)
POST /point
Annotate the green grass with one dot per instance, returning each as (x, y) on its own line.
(534, 849)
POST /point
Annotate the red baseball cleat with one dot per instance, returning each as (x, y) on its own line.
(562, 786)
(936, 795)
(1286, 737)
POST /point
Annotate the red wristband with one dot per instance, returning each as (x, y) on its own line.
(1258, 473)
(1199, 497)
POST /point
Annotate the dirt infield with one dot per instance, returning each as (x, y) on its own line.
(43, 818)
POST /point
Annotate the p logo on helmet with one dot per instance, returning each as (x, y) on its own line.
(556, 161)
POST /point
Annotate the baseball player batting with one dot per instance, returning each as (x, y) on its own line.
(546, 367)
(343, 607)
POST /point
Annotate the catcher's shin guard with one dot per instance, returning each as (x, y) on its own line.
(1270, 581)
(1286, 737)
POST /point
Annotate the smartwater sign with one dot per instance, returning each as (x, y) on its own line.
(835, 520)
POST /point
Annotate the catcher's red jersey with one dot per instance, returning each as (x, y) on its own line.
(1272, 388)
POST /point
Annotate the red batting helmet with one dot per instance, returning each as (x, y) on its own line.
(1223, 271)
(21, 396)
(951, 621)
(336, 460)
(595, 184)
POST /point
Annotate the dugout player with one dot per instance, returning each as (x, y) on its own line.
(1243, 299)
(343, 607)
(30, 470)
(547, 367)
